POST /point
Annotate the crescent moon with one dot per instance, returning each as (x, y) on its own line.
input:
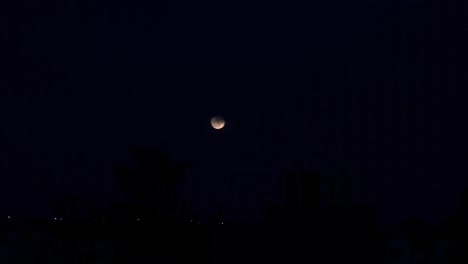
(217, 122)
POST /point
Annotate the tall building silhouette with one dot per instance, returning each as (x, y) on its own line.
(302, 190)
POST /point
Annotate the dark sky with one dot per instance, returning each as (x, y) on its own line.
(361, 87)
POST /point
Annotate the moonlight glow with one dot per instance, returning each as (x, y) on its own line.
(217, 122)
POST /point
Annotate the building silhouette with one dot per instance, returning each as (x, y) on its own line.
(302, 191)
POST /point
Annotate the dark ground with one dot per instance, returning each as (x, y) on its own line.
(327, 239)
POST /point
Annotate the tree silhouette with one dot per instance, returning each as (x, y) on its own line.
(153, 183)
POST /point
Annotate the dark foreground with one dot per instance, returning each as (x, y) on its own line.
(145, 242)
(66, 242)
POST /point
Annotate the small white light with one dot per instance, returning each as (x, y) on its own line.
(8, 217)
(61, 218)
(222, 223)
(55, 218)
(138, 219)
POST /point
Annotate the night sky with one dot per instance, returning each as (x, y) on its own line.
(362, 88)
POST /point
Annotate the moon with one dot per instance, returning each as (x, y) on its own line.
(217, 122)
